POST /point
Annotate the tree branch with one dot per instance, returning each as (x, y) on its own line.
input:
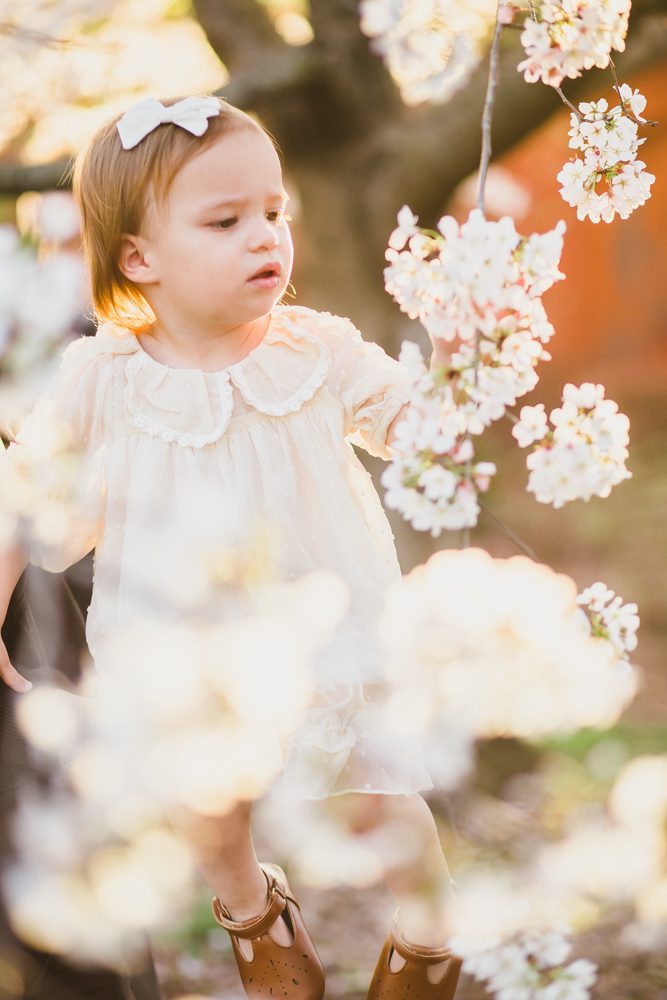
(15, 178)
(239, 31)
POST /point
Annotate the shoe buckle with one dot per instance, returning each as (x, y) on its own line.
(278, 890)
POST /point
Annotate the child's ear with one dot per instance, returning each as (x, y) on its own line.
(134, 260)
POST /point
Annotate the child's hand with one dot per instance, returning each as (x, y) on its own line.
(441, 352)
(9, 674)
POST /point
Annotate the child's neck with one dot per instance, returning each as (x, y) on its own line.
(177, 346)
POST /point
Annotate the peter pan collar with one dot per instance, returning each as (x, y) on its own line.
(193, 408)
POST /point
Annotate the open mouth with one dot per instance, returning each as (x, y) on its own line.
(267, 272)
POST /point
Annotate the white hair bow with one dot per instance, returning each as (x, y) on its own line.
(192, 113)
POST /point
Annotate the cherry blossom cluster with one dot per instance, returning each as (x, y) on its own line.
(583, 454)
(480, 283)
(432, 479)
(477, 280)
(564, 37)
(500, 644)
(610, 618)
(606, 179)
(430, 47)
(532, 967)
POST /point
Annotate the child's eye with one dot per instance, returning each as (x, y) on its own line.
(280, 215)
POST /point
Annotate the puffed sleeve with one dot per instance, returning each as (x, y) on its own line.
(52, 473)
(370, 385)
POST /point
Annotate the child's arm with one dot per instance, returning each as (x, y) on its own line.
(13, 560)
(371, 386)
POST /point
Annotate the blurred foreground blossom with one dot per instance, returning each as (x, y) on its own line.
(106, 887)
(512, 926)
(499, 642)
(46, 486)
(209, 706)
(430, 47)
(620, 856)
(186, 712)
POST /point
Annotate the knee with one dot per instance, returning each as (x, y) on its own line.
(363, 812)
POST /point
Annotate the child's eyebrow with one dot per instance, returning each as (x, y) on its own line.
(277, 195)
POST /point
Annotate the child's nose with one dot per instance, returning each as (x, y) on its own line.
(264, 235)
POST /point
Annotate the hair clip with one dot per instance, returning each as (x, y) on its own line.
(192, 113)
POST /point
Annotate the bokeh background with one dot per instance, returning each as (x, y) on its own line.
(354, 153)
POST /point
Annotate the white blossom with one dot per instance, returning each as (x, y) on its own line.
(564, 37)
(407, 227)
(479, 284)
(532, 425)
(583, 454)
(606, 179)
(610, 617)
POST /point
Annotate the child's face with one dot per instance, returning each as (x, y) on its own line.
(221, 224)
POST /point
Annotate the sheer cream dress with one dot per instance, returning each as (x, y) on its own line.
(279, 425)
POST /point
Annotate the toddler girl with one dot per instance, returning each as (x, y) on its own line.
(199, 374)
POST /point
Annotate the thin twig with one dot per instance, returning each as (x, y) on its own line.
(487, 115)
(625, 105)
(475, 369)
(511, 534)
(569, 103)
(42, 38)
(487, 118)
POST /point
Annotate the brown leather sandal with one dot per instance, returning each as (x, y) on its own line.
(411, 982)
(279, 971)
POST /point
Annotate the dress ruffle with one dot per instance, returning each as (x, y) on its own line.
(193, 408)
(349, 747)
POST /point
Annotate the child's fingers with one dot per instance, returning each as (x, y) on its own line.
(10, 675)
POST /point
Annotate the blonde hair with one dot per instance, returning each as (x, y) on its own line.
(111, 186)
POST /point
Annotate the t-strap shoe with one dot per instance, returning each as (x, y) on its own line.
(288, 972)
(411, 981)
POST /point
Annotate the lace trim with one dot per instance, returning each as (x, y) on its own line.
(157, 429)
(302, 394)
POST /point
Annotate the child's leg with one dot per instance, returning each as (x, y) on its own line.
(224, 852)
(401, 831)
